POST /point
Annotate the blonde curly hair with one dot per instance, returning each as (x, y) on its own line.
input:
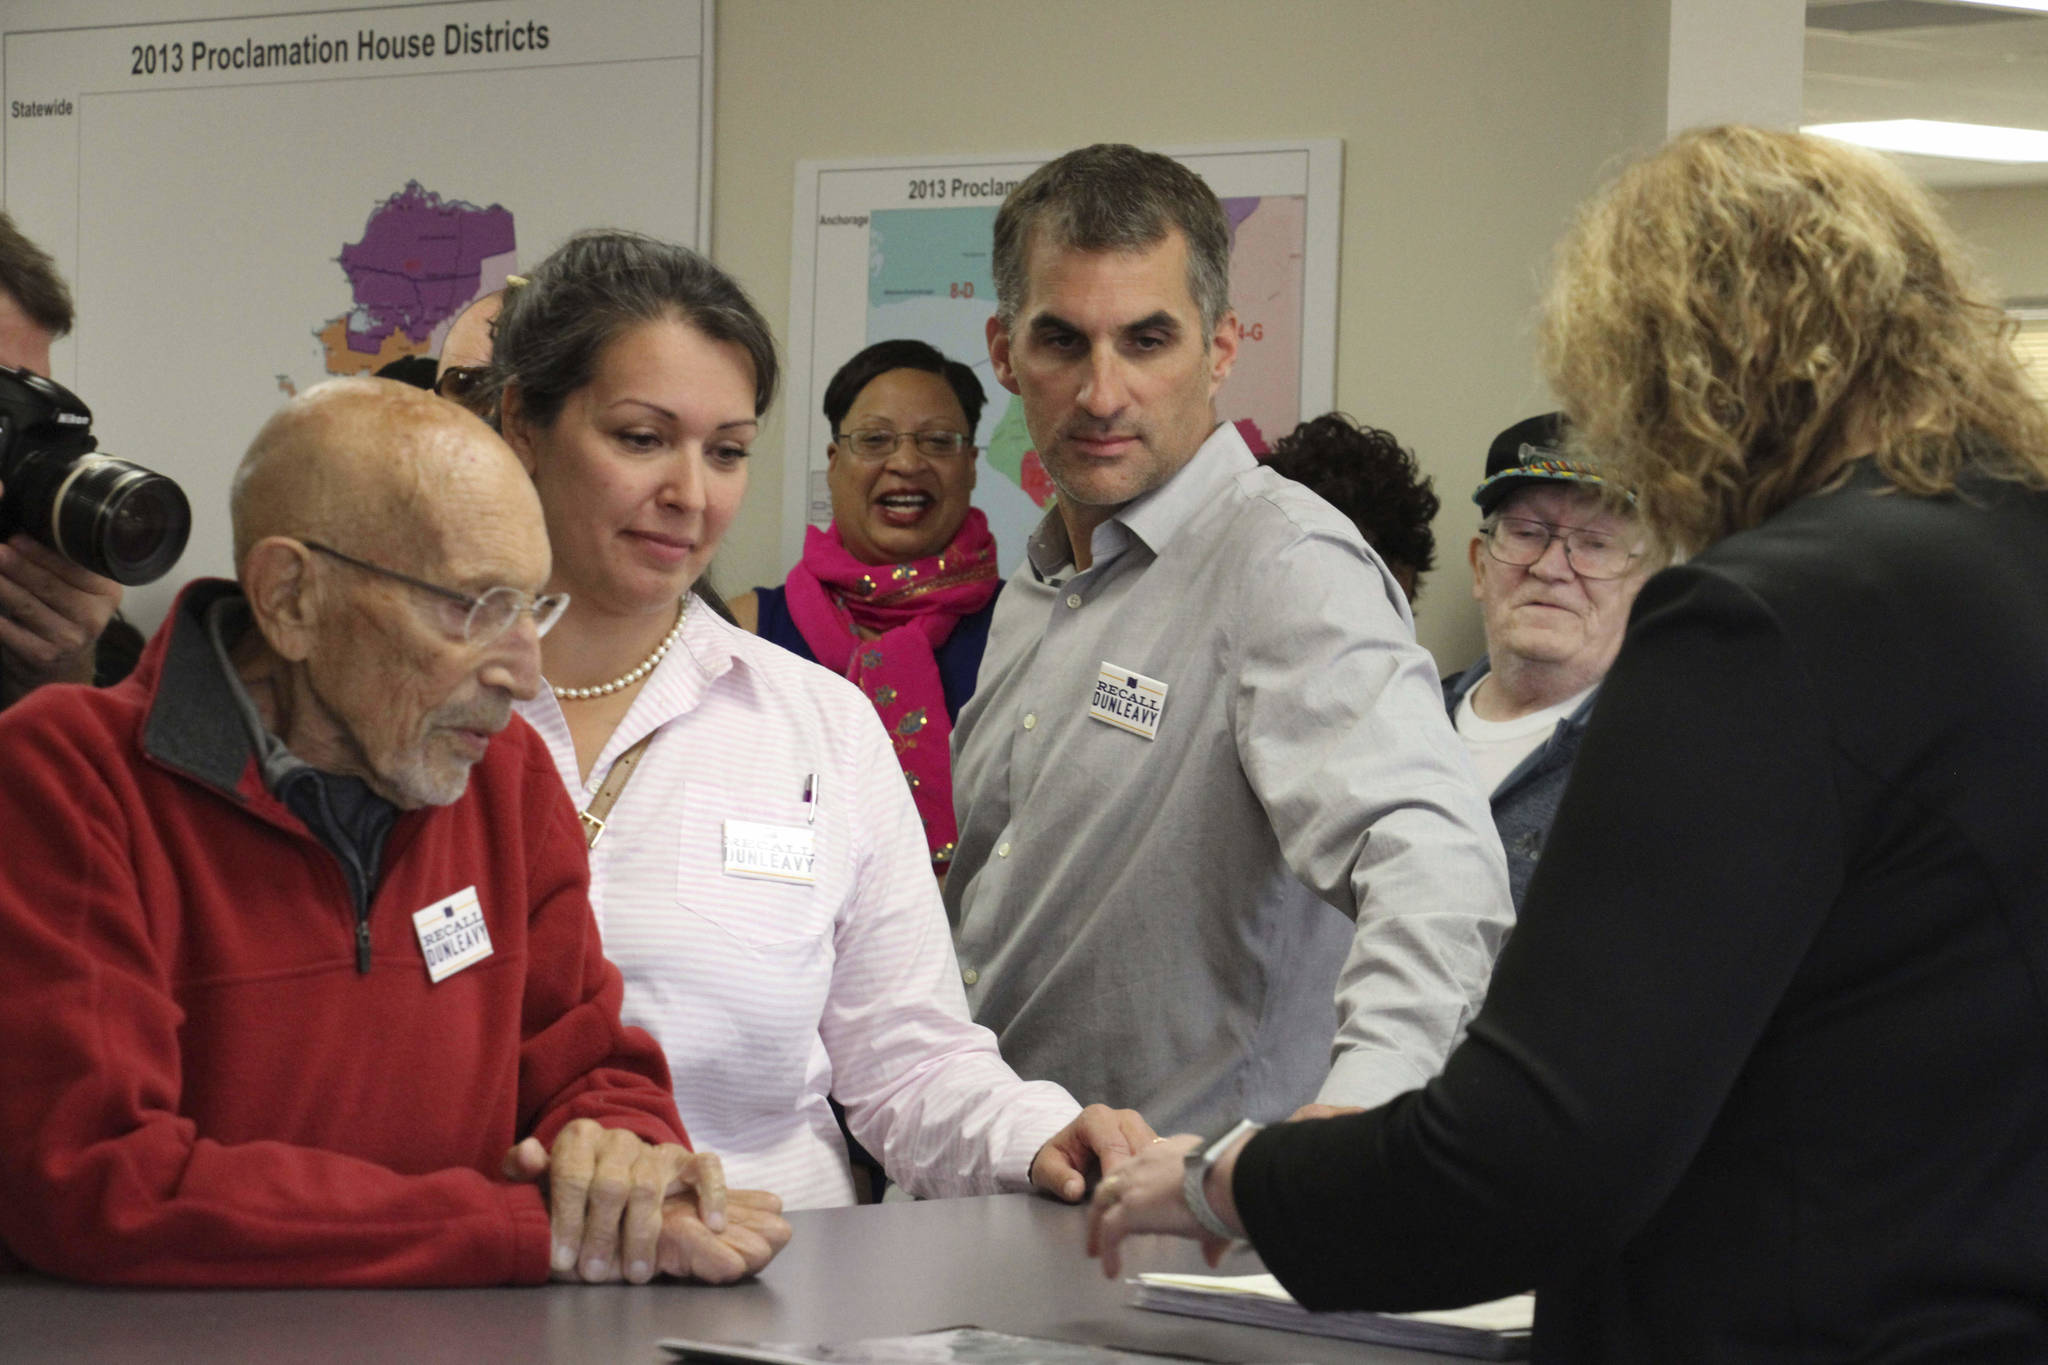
(1741, 316)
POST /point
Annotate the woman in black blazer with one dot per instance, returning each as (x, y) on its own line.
(1763, 1074)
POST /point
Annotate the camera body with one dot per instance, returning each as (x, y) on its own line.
(105, 514)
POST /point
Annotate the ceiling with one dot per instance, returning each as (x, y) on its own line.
(1930, 59)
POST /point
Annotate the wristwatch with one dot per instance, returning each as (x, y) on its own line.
(1194, 1179)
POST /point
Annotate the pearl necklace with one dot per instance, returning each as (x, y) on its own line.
(634, 675)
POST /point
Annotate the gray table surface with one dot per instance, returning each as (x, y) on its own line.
(1010, 1262)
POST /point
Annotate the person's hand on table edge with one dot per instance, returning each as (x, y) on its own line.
(1098, 1141)
(1324, 1111)
(623, 1208)
(51, 616)
(1144, 1195)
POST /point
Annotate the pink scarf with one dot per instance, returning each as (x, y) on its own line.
(913, 607)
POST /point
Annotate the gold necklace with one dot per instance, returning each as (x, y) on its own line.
(633, 675)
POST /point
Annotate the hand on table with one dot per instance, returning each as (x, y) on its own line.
(754, 1232)
(51, 616)
(1144, 1195)
(620, 1207)
(1100, 1139)
(1324, 1111)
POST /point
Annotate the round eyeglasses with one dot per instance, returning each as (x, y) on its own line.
(487, 617)
(467, 385)
(879, 443)
(1520, 542)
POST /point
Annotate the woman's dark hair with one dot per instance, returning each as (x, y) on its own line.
(1365, 474)
(594, 288)
(884, 356)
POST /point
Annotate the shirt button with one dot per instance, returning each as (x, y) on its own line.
(970, 976)
(1074, 600)
(1003, 850)
(1031, 721)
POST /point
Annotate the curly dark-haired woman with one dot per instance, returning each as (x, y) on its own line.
(1366, 474)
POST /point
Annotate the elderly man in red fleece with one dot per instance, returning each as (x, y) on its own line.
(301, 984)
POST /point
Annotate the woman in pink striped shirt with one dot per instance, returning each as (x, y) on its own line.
(760, 873)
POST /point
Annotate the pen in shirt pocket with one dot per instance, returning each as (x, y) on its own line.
(810, 798)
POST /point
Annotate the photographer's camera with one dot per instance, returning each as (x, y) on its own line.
(105, 514)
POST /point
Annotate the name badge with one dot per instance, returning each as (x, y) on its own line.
(1127, 700)
(452, 934)
(774, 853)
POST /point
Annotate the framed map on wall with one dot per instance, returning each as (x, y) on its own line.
(900, 248)
(247, 202)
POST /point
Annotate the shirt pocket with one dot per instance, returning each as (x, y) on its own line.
(758, 912)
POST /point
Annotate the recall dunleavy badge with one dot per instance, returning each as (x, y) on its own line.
(452, 934)
(1129, 701)
(775, 853)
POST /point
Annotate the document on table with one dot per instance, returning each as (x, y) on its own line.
(1487, 1331)
(950, 1346)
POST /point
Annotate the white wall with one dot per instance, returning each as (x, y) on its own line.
(2007, 227)
(1471, 129)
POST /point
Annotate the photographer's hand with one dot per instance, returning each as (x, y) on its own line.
(51, 616)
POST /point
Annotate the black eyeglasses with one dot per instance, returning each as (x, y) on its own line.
(1520, 542)
(879, 443)
(465, 384)
(487, 617)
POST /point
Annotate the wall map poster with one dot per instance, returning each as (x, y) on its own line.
(319, 193)
(900, 248)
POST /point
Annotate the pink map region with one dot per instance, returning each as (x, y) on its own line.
(419, 261)
(1267, 254)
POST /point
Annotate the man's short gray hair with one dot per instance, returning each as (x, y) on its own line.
(1114, 197)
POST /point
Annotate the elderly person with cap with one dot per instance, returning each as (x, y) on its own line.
(1555, 567)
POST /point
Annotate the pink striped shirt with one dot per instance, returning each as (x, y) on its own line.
(766, 995)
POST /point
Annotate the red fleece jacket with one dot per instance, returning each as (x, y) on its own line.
(197, 1087)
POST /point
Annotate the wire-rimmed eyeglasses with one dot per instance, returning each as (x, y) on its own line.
(486, 618)
(879, 443)
(1520, 542)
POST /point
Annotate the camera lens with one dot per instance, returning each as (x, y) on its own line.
(120, 519)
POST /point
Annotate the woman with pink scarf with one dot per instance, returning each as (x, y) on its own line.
(897, 594)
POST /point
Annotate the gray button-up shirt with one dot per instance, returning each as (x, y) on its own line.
(1168, 923)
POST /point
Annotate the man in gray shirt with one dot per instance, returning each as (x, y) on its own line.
(1206, 786)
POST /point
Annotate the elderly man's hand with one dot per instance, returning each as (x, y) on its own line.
(608, 1192)
(754, 1232)
(51, 616)
(1099, 1140)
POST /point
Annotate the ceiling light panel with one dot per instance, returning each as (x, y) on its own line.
(1933, 137)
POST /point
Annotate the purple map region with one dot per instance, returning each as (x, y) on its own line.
(1236, 211)
(418, 263)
